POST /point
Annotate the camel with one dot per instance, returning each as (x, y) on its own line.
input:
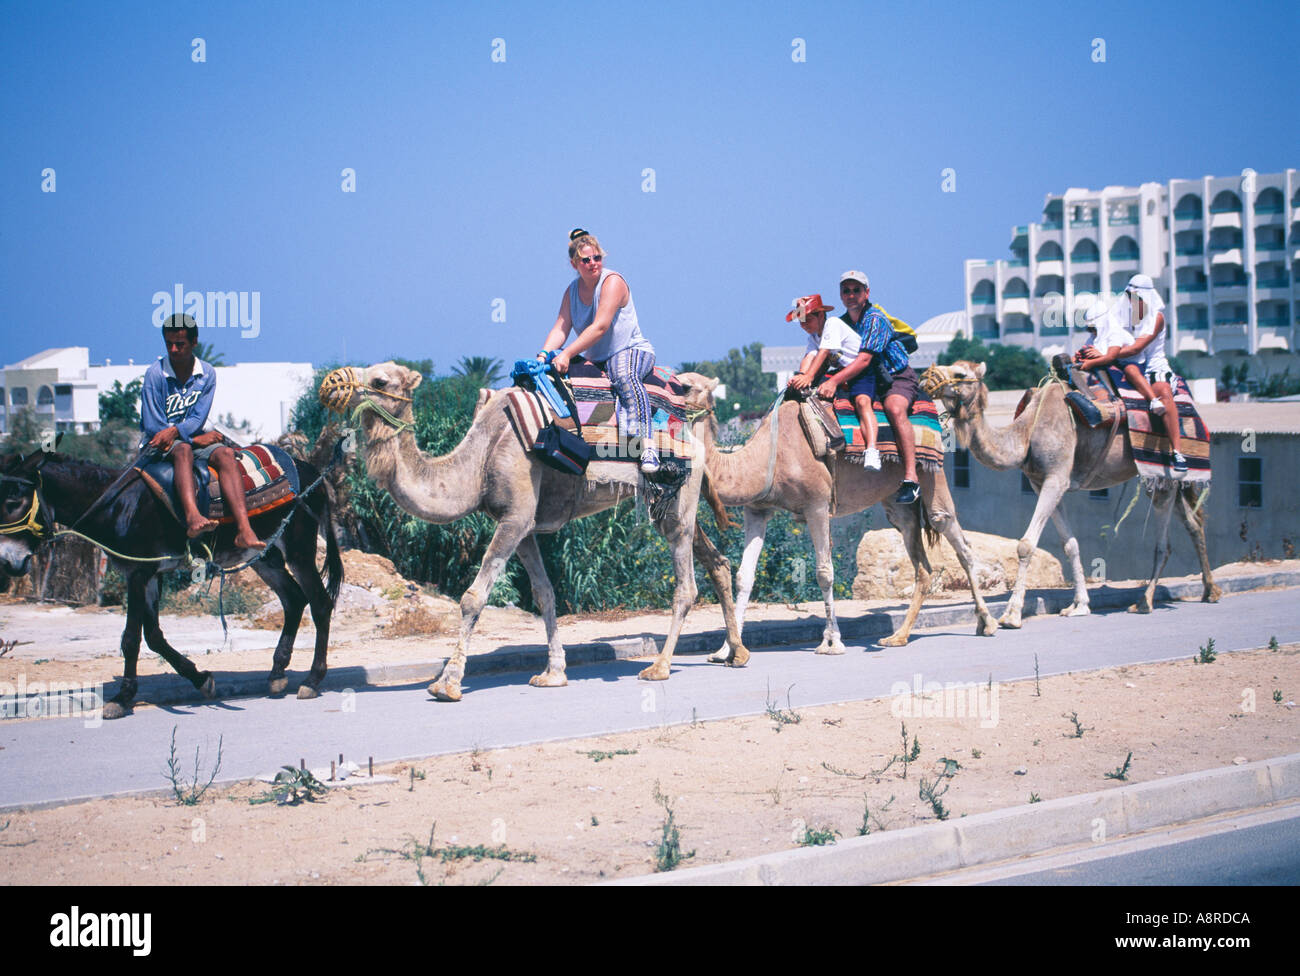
(800, 483)
(1058, 455)
(489, 472)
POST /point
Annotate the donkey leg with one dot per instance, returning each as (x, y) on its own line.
(755, 530)
(153, 636)
(303, 566)
(273, 573)
(504, 542)
(531, 556)
(120, 704)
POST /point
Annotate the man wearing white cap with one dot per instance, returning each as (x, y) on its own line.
(896, 383)
(1143, 359)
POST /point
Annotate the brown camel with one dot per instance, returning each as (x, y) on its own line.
(489, 472)
(800, 483)
(1059, 455)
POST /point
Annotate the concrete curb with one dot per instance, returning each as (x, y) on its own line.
(1014, 832)
(172, 689)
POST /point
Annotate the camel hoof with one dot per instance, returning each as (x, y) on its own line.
(445, 690)
(1010, 622)
(1212, 595)
(1076, 610)
(1139, 608)
(307, 692)
(209, 687)
(894, 640)
(831, 649)
(114, 710)
(739, 659)
(656, 672)
(278, 686)
(721, 656)
(987, 627)
(548, 679)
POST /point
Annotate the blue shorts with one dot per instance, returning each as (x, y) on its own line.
(863, 385)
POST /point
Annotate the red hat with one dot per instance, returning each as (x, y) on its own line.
(803, 307)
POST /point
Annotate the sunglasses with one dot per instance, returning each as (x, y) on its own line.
(593, 259)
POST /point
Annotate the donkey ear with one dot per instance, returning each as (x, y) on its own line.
(32, 463)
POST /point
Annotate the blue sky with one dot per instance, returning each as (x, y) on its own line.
(771, 175)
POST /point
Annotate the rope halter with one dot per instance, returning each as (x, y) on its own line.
(31, 522)
(337, 389)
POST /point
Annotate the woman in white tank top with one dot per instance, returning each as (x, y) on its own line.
(598, 306)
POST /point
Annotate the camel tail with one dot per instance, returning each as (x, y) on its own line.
(720, 514)
(931, 533)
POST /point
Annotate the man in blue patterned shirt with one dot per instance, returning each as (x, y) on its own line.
(175, 399)
(896, 383)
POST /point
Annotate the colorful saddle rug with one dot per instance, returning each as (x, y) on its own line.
(270, 480)
(926, 431)
(1152, 452)
(602, 426)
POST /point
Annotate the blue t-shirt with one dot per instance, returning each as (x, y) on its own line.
(167, 402)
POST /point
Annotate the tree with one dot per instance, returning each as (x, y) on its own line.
(24, 431)
(121, 403)
(485, 371)
(208, 354)
(1007, 367)
(742, 372)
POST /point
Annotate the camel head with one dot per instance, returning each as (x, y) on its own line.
(699, 391)
(386, 385)
(960, 387)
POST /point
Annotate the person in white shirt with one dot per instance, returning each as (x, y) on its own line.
(833, 345)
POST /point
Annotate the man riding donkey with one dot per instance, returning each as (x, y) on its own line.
(174, 403)
(882, 351)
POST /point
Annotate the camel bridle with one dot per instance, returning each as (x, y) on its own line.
(338, 387)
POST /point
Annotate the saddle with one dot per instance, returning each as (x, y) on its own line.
(270, 480)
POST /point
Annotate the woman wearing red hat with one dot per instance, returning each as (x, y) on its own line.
(598, 306)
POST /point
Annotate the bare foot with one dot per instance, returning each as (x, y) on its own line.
(247, 540)
(196, 525)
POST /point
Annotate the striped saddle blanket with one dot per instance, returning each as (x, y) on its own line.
(603, 427)
(926, 431)
(269, 474)
(1152, 451)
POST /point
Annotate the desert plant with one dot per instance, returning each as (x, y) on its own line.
(189, 794)
(1079, 727)
(668, 854)
(818, 838)
(1272, 643)
(782, 716)
(1122, 771)
(1277, 695)
(1206, 655)
(291, 787)
(596, 755)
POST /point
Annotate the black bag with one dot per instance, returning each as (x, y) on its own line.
(560, 448)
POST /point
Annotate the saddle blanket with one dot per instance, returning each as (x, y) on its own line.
(1152, 451)
(926, 431)
(599, 410)
(270, 480)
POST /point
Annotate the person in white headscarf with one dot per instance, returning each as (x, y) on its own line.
(1144, 361)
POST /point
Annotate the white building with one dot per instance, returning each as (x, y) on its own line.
(63, 388)
(1217, 248)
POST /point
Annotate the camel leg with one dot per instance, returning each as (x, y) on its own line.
(1079, 608)
(1050, 493)
(819, 527)
(907, 520)
(755, 530)
(505, 540)
(680, 533)
(719, 569)
(1196, 529)
(943, 516)
(1163, 503)
(531, 556)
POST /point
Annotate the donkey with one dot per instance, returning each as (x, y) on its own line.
(129, 521)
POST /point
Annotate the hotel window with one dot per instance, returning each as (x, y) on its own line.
(961, 468)
(1250, 482)
(18, 396)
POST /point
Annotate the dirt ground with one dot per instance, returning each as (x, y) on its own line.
(587, 810)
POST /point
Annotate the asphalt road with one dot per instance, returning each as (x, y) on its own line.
(54, 760)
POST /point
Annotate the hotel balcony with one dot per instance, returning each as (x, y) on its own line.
(1269, 217)
(1193, 339)
(1016, 306)
(1231, 336)
(1187, 218)
(1188, 258)
(1125, 262)
(1274, 336)
(1054, 268)
(1230, 292)
(1227, 218)
(1232, 256)
(1276, 289)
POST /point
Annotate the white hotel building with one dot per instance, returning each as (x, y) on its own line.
(1224, 252)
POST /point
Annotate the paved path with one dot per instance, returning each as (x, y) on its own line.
(53, 760)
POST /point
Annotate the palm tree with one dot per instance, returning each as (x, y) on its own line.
(486, 370)
(208, 354)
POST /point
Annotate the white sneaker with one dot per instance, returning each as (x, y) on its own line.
(1157, 408)
(871, 459)
(650, 462)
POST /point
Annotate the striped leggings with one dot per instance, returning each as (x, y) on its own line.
(626, 371)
